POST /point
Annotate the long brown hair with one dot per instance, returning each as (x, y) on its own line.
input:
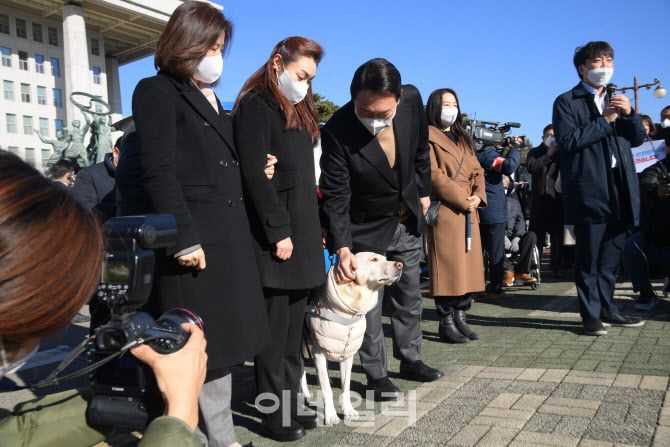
(192, 30)
(50, 253)
(302, 114)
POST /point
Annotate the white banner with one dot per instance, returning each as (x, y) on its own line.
(647, 154)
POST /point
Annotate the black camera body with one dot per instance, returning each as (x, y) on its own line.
(124, 390)
(492, 134)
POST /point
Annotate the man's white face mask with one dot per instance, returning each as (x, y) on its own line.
(376, 125)
(10, 368)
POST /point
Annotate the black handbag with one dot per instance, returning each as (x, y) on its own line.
(434, 208)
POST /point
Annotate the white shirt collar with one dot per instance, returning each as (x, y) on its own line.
(598, 99)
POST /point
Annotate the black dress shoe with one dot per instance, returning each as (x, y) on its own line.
(285, 434)
(462, 326)
(419, 371)
(622, 321)
(593, 327)
(384, 389)
(449, 332)
(307, 421)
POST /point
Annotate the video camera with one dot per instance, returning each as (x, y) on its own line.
(493, 135)
(124, 390)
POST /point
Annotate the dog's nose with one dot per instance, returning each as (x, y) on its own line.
(399, 265)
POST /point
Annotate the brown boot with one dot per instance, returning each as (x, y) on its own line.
(524, 278)
(508, 280)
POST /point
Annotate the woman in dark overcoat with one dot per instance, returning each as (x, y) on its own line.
(458, 182)
(275, 114)
(190, 168)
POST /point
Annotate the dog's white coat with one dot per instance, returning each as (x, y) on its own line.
(337, 342)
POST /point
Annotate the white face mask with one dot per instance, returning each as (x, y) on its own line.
(10, 368)
(549, 140)
(209, 69)
(666, 123)
(448, 116)
(293, 90)
(375, 125)
(600, 76)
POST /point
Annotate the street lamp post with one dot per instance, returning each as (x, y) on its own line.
(659, 91)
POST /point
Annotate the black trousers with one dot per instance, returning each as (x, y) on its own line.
(278, 368)
(525, 258)
(556, 234)
(493, 241)
(446, 305)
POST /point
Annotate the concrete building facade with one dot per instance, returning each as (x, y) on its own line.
(51, 48)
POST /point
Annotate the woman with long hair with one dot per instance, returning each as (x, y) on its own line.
(50, 262)
(275, 114)
(458, 182)
(189, 167)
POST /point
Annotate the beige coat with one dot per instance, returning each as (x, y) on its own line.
(453, 271)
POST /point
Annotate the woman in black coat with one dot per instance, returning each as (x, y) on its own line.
(189, 168)
(275, 114)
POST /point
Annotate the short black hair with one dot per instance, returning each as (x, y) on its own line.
(118, 144)
(378, 75)
(664, 109)
(60, 168)
(590, 51)
(547, 129)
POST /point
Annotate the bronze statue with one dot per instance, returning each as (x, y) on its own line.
(60, 145)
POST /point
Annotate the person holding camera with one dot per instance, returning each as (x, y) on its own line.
(595, 131)
(275, 114)
(493, 218)
(41, 291)
(458, 182)
(189, 166)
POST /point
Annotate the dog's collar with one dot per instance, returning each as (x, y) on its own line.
(332, 316)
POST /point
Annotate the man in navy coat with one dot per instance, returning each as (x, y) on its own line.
(601, 195)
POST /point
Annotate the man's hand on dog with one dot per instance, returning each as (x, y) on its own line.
(346, 264)
(284, 249)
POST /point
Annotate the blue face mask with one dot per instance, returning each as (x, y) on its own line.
(10, 368)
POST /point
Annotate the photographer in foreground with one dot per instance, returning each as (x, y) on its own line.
(493, 218)
(41, 291)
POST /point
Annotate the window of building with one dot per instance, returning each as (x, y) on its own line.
(96, 75)
(41, 95)
(23, 60)
(28, 125)
(95, 47)
(52, 34)
(46, 154)
(58, 125)
(8, 87)
(11, 122)
(4, 24)
(25, 92)
(57, 98)
(30, 156)
(21, 29)
(6, 54)
(13, 150)
(39, 64)
(44, 127)
(55, 69)
(37, 32)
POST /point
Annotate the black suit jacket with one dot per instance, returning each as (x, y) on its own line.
(362, 200)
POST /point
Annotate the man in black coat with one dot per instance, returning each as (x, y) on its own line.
(94, 187)
(601, 194)
(375, 180)
(546, 207)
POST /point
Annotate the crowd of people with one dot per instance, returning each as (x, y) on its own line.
(253, 219)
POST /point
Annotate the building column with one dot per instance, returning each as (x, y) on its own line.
(76, 64)
(113, 88)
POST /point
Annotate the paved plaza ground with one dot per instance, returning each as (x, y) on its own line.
(532, 380)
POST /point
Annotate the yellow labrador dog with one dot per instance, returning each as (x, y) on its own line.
(337, 325)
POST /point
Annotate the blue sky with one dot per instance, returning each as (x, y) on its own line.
(507, 61)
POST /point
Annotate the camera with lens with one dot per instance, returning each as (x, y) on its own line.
(492, 134)
(125, 393)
